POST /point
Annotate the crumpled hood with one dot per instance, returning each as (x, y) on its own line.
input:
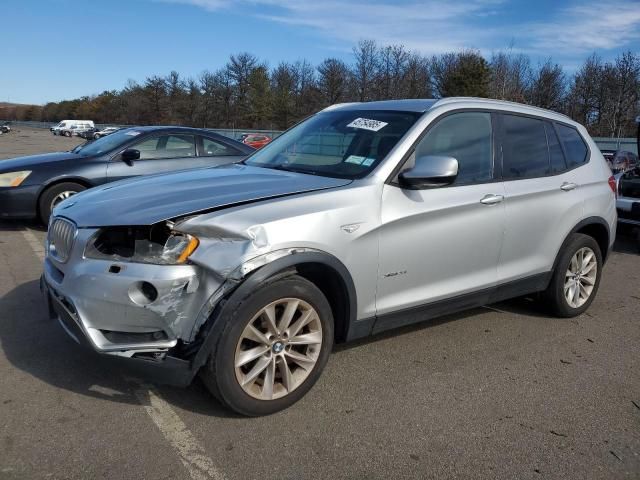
(151, 199)
(23, 163)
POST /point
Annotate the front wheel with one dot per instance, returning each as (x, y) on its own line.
(272, 348)
(576, 278)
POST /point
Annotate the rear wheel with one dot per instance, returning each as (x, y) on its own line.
(272, 348)
(576, 278)
(55, 194)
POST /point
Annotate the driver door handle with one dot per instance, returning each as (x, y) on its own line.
(491, 199)
(567, 186)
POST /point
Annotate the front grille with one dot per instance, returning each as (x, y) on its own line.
(61, 235)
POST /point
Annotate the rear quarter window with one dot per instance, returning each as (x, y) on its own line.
(574, 146)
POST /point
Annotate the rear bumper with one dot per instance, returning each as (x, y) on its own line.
(628, 210)
(18, 202)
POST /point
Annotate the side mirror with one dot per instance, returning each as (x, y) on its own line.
(129, 155)
(430, 171)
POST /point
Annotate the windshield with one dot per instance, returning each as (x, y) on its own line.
(343, 144)
(106, 144)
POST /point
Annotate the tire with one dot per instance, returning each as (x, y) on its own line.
(224, 372)
(51, 195)
(560, 286)
(96, 136)
(67, 134)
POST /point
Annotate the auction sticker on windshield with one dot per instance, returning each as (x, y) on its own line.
(368, 124)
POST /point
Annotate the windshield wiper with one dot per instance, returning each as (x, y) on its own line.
(294, 170)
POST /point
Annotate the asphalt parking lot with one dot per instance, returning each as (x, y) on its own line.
(503, 391)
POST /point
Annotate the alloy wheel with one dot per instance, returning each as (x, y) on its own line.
(278, 349)
(580, 277)
(61, 197)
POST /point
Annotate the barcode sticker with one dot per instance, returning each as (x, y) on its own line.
(368, 124)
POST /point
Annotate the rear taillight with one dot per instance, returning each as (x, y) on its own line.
(612, 184)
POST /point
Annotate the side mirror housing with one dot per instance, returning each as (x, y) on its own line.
(430, 171)
(129, 155)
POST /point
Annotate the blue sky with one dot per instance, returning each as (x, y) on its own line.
(57, 49)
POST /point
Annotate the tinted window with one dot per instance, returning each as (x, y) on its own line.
(465, 137)
(211, 148)
(167, 146)
(574, 146)
(558, 163)
(524, 147)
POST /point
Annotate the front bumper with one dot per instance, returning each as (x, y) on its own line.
(18, 202)
(164, 369)
(99, 302)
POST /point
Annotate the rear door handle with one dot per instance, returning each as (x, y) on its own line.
(567, 186)
(491, 199)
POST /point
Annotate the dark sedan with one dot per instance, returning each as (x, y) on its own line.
(31, 186)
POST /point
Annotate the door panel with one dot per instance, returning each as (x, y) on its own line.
(540, 210)
(437, 244)
(538, 213)
(440, 243)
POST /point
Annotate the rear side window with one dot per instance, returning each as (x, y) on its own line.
(574, 146)
(167, 146)
(211, 148)
(558, 164)
(467, 138)
(524, 147)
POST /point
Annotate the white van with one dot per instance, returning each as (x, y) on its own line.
(67, 124)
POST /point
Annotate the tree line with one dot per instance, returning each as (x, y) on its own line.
(247, 93)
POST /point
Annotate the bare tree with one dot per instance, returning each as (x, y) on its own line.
(364, 69)
(333, 81)
(549, 85)
(417, 78)
(511, 76)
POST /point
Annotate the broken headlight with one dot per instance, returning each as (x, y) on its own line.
(157, 244)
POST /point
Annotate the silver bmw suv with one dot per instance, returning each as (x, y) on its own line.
(362, 218)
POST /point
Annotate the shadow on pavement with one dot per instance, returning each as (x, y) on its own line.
(39, 346)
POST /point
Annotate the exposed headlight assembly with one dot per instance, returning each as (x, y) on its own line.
(13, 179)
(158, 244)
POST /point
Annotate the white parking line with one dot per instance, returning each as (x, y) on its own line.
(191, 453)
(35, 244)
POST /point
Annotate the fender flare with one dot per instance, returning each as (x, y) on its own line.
(279, 267)
(581, 224)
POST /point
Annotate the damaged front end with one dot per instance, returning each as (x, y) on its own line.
(147, 292)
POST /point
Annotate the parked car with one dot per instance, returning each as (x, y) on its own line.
(628, 200)
(67, 124)
(5, 127)
(623, 161)
(406, 210)
(88, 134)
(608, 156)
(76, 129)
(32, 186)
(104, 132)
(254, 140)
